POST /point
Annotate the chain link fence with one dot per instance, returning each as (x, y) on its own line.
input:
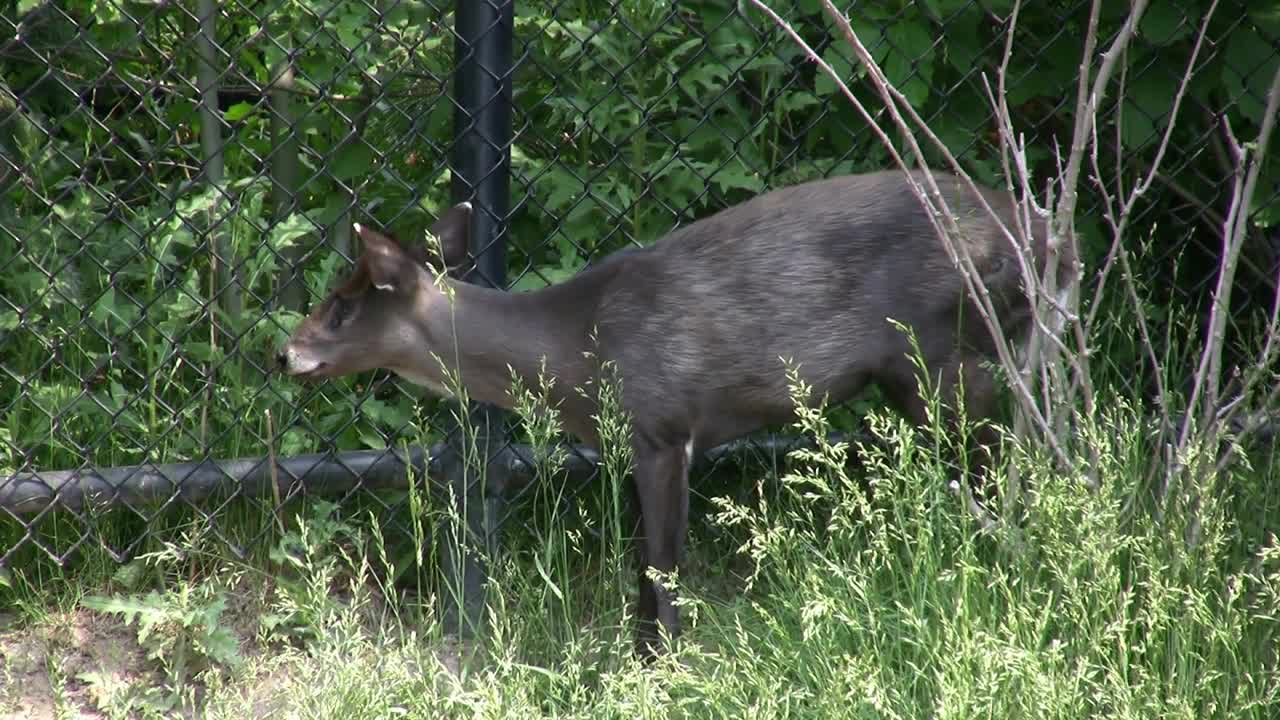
(178, 182)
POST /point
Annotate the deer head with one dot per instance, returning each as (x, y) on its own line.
(378, 317)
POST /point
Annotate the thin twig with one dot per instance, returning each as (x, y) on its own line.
(1069, 176)
(1000, 101)
(938, 217)
(1119, 221)
(1078, 362)
(1261, 366)
(1142, 187)
(977, 290)
(1213, 220)
(1207, 380)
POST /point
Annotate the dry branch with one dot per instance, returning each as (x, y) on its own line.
(1207, 414)
(1059, 402)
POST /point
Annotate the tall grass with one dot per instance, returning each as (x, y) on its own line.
(861, 595)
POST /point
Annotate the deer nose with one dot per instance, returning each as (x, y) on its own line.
(282, 359)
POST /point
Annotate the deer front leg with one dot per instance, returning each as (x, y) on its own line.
(662, 489)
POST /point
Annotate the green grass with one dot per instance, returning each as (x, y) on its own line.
(823, 594)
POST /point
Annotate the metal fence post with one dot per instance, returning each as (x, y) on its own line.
(213, 145)
(481, 174)
(10, 120)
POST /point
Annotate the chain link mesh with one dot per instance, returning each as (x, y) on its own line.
(178, 182)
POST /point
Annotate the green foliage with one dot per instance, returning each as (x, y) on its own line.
(309, 562)
(179, 628)
(884, 595)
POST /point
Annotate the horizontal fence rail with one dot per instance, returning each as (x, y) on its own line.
(316, 474)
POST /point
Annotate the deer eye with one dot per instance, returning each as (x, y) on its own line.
(341, 308)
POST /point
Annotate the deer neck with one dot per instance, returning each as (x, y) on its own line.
(483, 335)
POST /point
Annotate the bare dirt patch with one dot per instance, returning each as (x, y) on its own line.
(89, 664)
(46, 670)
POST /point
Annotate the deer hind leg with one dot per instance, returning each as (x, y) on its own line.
(662, 492)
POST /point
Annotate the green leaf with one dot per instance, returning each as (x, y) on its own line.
(1266, 209)
(143, 143)
(369, 438)
(203, 351)
(238, 112)
(200, 201)
(219, 644)
(1248, 66)
(285, 234)
(546, 275)
(126, 607)
(765, 62)
(945, 8)
(963, 122)
(998, 7)
(737, 178)
(565, 188)
(107, 12)
(964, 41)
(104, 310)
(272, 55)
(1051, 73)
(130, 575)
(392, 417)
(834, 56)
(797, 101)
(353, 159)
(1165, 24)
(704, 79)
(871, 32)
(351, 32)
(909, 65)
(1148, 103)
(397, 15)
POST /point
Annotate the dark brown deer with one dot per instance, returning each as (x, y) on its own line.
(698, 326)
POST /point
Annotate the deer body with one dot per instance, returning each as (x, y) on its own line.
(698, 326)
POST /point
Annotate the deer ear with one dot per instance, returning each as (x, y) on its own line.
(390, 268)
(453, 229)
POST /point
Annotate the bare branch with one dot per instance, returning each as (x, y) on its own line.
(942, 219)
(1087, 107)
(1207, 380)
(1085, 115)
(1142, 187)
(978, 292)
